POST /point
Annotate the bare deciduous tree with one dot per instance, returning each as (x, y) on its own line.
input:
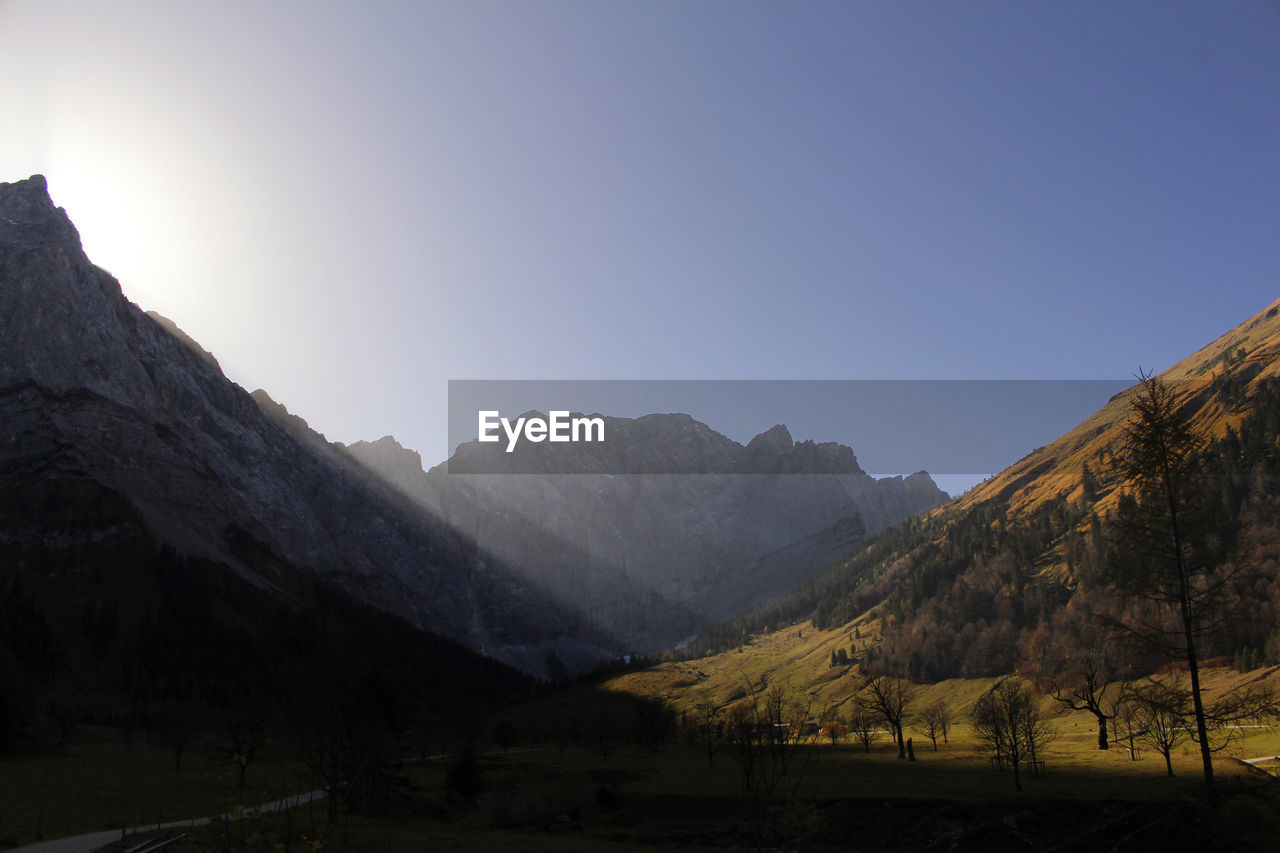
(1007, 721)
(863, 725)
(1162, 710)
(1081, 684)
(934, 721)
(891, 699)
(763, 735)
(241, 735)
(709, 725)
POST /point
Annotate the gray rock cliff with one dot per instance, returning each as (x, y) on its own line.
(93, 388)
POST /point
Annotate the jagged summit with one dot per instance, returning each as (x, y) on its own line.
(776, 439)
(673, 443)
(64, 323)
(650, 444)
(389, 455)
(658, 557)
(29, 217)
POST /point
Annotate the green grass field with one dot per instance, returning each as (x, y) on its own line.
(535, 799)
(539, 797)
(103, 779)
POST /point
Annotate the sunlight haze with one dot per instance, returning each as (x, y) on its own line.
(351, 204)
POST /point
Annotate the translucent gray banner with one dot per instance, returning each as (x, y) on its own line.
(947, 427)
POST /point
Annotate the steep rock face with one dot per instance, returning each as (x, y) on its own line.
(103, 405)
(92, 389)
(697, 529)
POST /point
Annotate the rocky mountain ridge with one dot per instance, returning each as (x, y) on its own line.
(93, 388)
(105, 405)
(696, 528)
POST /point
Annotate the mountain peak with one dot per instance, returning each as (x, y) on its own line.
(28, 216)
(392, 454)
(776, 439)
(64, 323)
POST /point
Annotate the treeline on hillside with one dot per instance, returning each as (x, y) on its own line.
(966, 595)
(844, 588)
(186, 648)
(914, 562)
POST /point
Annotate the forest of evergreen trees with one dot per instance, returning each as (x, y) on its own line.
(189, 641)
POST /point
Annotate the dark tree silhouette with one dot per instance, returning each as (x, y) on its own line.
(505, 735)
(1168, 562)
(1161, 711)
(891, 699)
(709, 728)
(242, 733)
(862, 725)
(934, 722)
(1081, 684)
(1007, 721)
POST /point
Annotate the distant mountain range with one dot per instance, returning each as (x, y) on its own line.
(657, 557)
(122, 438)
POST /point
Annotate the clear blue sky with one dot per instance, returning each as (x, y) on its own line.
(351, 204)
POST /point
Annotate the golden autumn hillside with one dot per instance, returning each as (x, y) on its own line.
(994, 580)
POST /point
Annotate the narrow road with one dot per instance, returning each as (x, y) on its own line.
(93, 840)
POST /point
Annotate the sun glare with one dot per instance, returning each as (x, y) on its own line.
(119, 215)
(107, 226)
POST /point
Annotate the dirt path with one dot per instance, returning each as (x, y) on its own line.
(93, 840)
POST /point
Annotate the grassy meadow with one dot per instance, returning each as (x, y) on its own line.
(537, 797)
(573, 777)
(106, 778)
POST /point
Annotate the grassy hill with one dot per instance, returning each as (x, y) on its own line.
(1214, 385)
(987, 582)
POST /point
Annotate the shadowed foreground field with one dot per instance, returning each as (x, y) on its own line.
(106, 778)
(833, 797)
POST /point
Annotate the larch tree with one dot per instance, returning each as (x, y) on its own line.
(1168, 562)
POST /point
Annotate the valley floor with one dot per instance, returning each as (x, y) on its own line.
(544, 796)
